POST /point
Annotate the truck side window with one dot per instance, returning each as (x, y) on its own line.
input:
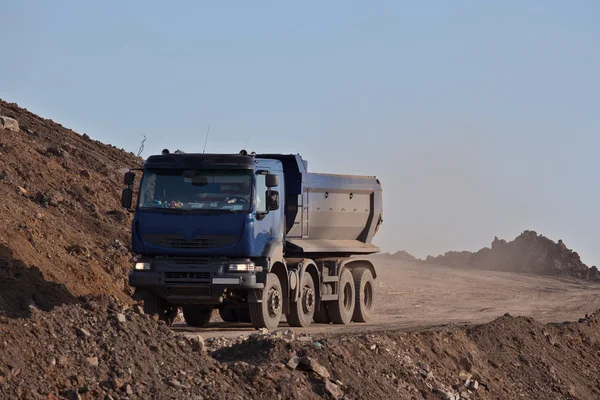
(261, 193)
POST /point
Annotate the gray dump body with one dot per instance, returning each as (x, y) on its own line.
(326, 214)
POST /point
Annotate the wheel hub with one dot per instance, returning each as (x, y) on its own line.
(308, 300)
(274, 303)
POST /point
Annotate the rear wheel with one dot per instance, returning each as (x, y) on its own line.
(228, 315)
(154, 304)
(302, 311)
(322, 316)
(197, 316)
(340, 311)
(365, 295)
(267, 313)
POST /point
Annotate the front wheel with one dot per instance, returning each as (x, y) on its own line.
(267, 313)
(154, 304)
(197, 316)
(228, 315)
(302, 311)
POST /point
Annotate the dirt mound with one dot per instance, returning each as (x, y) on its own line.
(99, 349)
(400, 255)
(63, 232)
(529, 253)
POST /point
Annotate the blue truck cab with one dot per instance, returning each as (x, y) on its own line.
(255, 236)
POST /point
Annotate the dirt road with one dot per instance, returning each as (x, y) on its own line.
(414, 295)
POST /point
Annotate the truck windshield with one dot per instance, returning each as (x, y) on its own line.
(203, 190)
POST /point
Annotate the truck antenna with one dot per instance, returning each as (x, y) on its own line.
(247, 140)
(139, 153)
(206, 139)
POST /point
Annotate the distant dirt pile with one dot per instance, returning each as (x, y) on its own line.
(529, 253)
(63, 232)
(98, 349)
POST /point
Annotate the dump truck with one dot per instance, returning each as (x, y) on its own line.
(255, 236)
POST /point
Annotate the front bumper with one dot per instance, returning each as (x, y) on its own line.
(192, 281)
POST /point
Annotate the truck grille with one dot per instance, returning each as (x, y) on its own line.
(199, 242)
(187, 275)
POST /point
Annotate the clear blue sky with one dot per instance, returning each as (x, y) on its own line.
(480, 118)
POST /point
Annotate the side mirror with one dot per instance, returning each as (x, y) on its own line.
(129, 178)
(272, 180)
(126, 198)
(272, 200)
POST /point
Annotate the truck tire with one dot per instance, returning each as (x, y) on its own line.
(302, 311)
(365, 295)
(242, 314)
(322, 316)
(228, 315)
(197, 316)
(341, 310)
(154, 304)
(267, 313)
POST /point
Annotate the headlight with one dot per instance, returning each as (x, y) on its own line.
(142, 266)
(242, 267)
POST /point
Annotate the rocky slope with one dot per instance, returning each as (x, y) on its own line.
(63, 233)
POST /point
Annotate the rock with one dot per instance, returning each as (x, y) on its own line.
(311, 365)
(138, 309)
(293, 363)
(465, 364)
(523, 358)
(373, 347)
(9, 123)
(22, 190)
(263, 331)
(155, 317)
(63, 361)
(116, 384)
(92, 361)
(128, 389)
(57, 151)
(493, 363)
(121, 318)
(83, 333)
(423, 366)
(177, 384)
(473, 385)
(464, 375)
(333, 390)
(445, 394)
(198, 344)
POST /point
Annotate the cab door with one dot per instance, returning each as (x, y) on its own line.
(269, 225)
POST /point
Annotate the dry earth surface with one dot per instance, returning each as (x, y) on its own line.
(412, 295)
(69, 329)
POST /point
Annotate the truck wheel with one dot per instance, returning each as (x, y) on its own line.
(321, 316)
(154, 304)
(197, 316)
(340, 311)
(242, 314)
(302, 311)
(365, 295)
(267, 314)
(228, 315)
